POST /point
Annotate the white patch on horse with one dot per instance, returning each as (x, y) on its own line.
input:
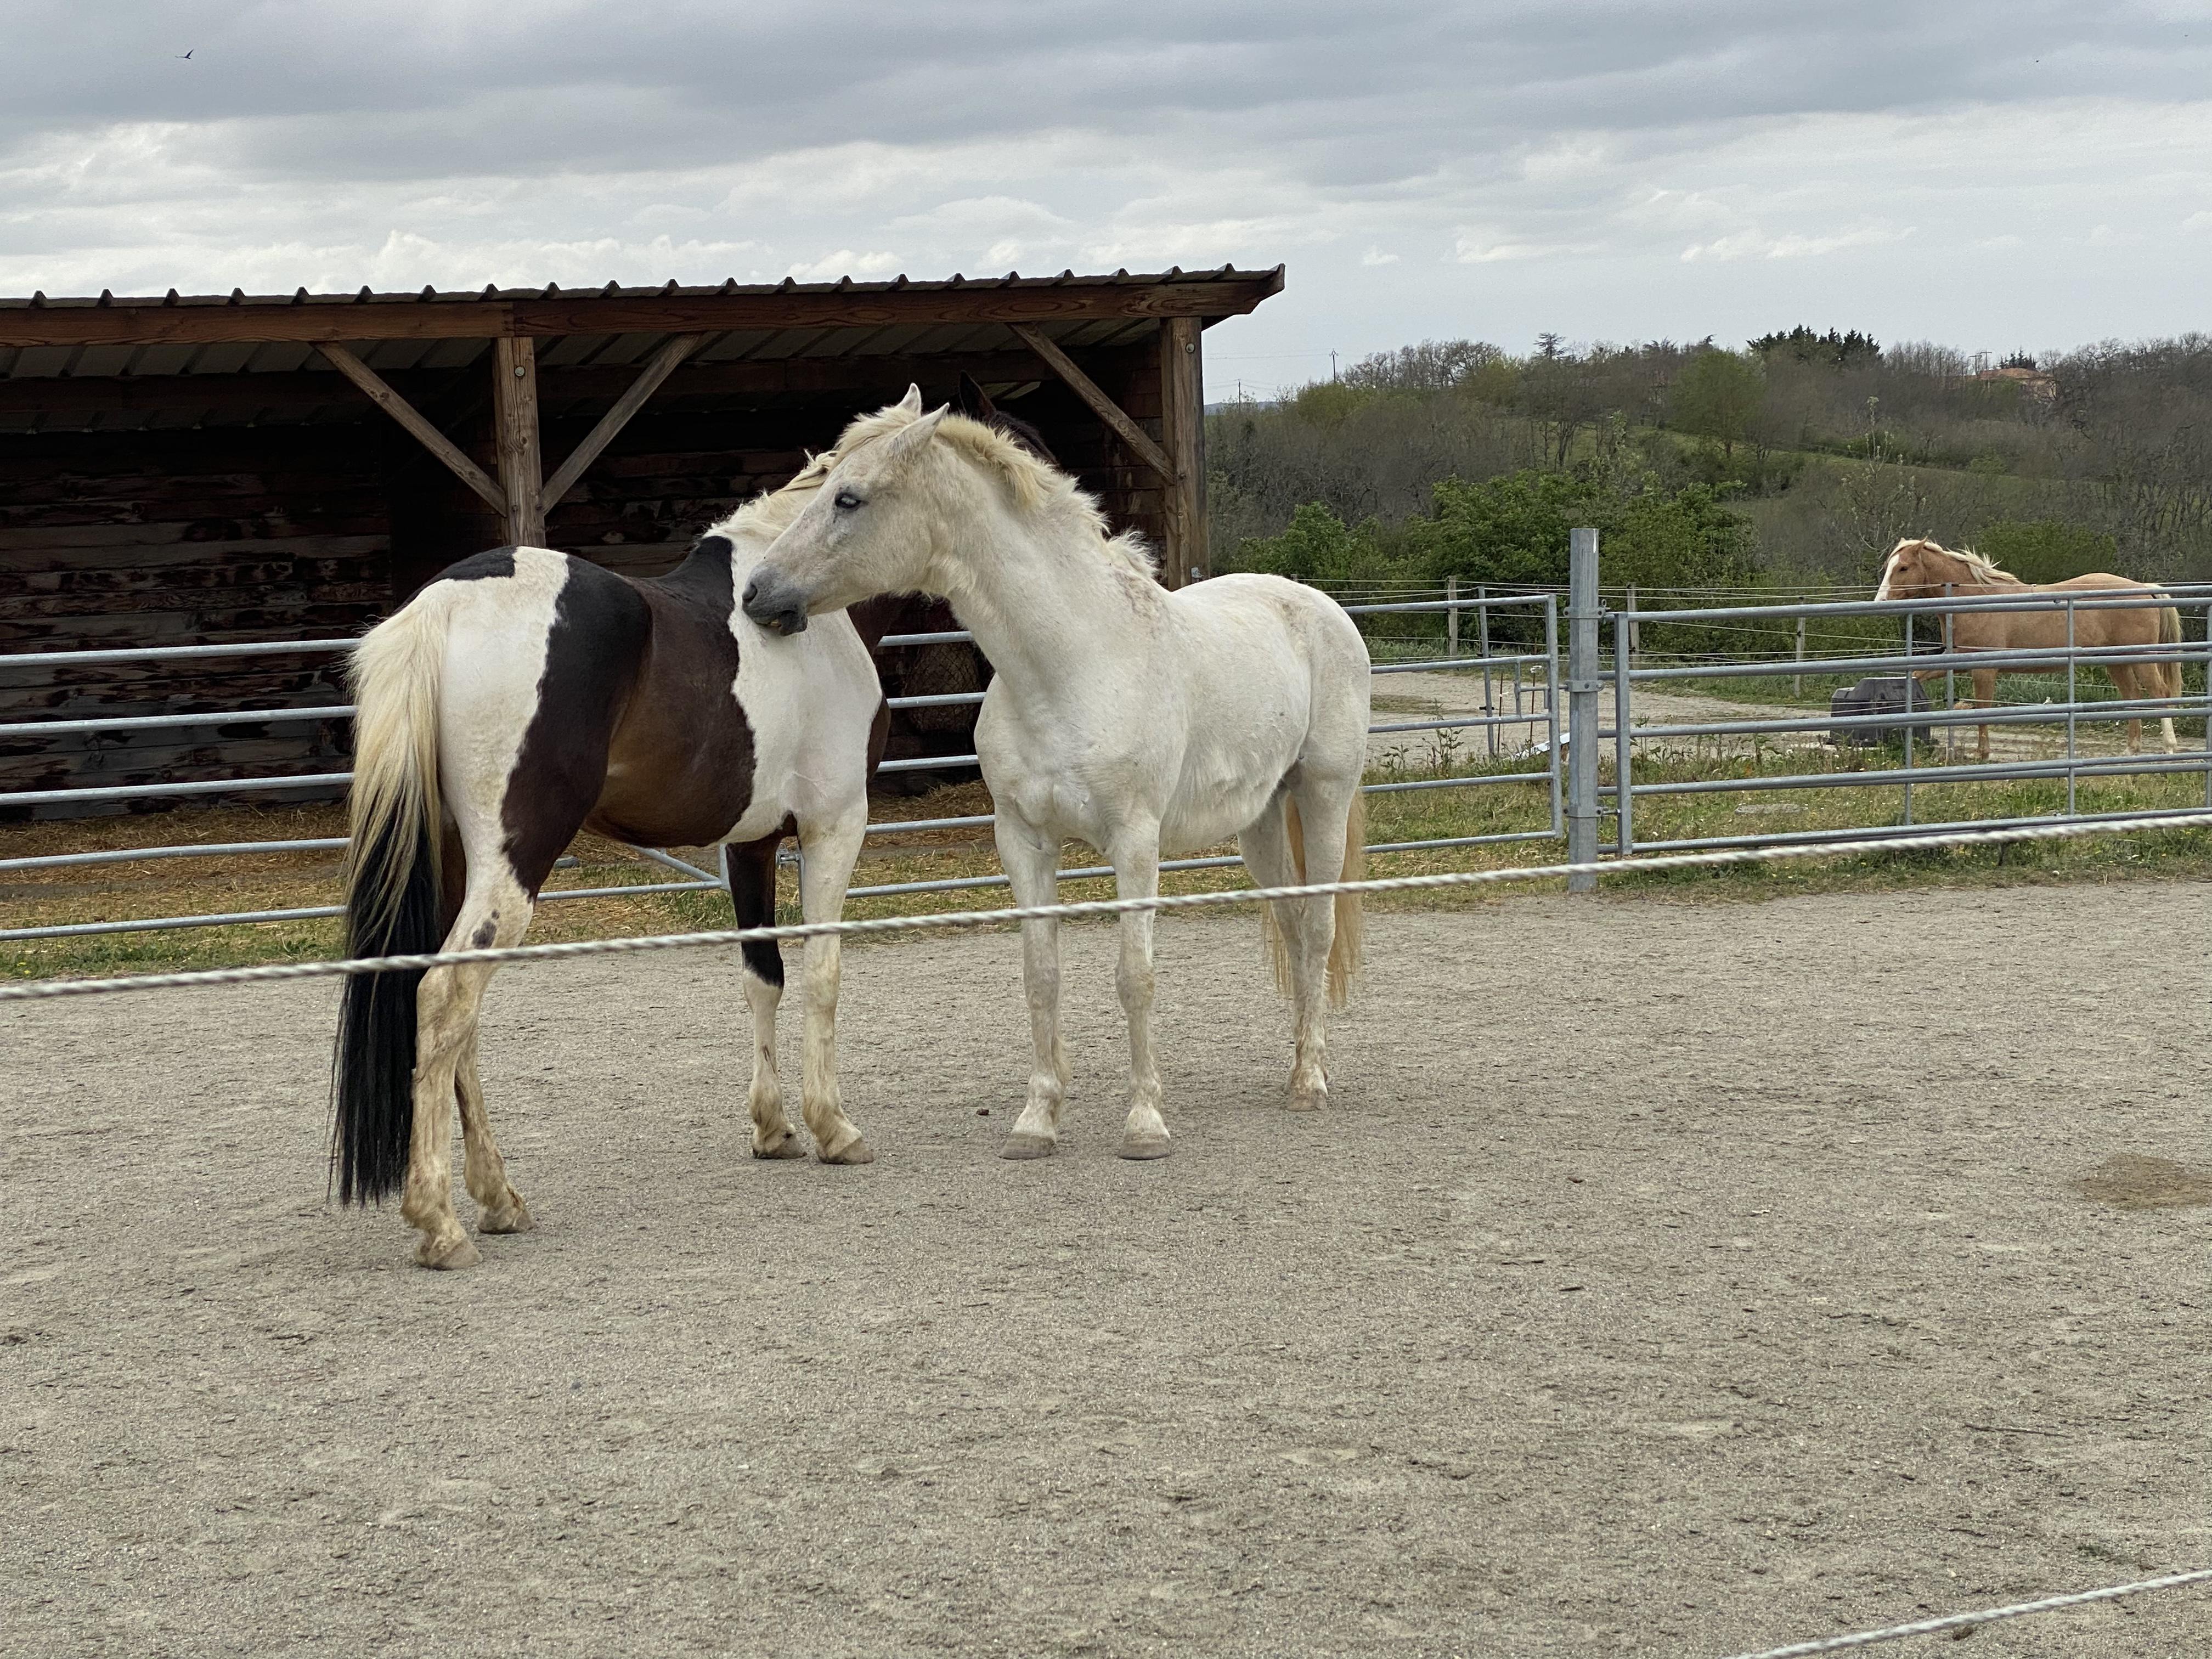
(497, 631)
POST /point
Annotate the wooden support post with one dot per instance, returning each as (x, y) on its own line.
(405, 413)
(514, 429)
(612, 423)
(1182, 423)
(1102, 406)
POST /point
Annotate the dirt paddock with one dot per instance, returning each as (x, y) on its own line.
(1665, 1279)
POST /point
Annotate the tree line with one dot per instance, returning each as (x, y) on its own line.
(1799, 458)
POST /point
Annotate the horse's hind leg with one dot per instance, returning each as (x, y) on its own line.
(752, 869)
(1299, 941)
(1323, 827)
(829, 852)
(2132, 682)
(500, 1208)
(496, 912)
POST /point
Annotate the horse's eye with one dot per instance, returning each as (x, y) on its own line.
(846, 502)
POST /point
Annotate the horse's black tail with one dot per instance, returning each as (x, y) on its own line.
(392, 904)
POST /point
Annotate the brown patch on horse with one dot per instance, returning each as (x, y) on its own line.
(2130, 1180)
(672, 779)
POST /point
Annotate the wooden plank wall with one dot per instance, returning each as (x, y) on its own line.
(180, 538)
(287, 532)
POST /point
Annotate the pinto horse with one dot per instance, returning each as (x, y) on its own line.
(522, 695)
(1921, 569)
(1139, 720)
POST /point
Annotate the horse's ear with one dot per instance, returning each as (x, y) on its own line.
(973, 401)
(912, 439)
(912, 402)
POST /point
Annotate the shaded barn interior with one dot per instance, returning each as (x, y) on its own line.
(201, 471)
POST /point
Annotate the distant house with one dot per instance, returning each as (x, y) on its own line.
(2032, 382)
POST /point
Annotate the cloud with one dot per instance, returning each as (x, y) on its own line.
(1699, 166)
(844, 262)
(1754, 243)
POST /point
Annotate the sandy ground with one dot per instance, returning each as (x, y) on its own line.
(1664, 1280)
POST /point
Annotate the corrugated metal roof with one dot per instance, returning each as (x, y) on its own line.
(1012, 279)
(889, 339)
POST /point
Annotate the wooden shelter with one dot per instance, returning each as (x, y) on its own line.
(188, 471)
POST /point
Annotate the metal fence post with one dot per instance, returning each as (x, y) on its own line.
(1798, 680)
(1452, 616)
(1623, 756)
(1581, 707)
(2073, 705)
(1482, 646)
(1909, 618)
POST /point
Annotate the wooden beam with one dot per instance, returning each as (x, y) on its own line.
(514, 432)
(127, 322)
(1102, 406)
(612, 423)
(404, 412)
(296, 395)
(1182, 424)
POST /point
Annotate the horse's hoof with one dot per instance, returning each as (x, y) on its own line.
(791, 1146)
(856, 1151)
(1023, 1144)
(1309, 1100)
(450, 1256)
(1146, 1146)
(515, 1217)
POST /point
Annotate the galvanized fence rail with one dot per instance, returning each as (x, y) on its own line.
(1589, 799)
(1532, 674)
(1512, 639)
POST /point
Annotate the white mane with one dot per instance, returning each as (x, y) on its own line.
(1036, 488)
(766, 516)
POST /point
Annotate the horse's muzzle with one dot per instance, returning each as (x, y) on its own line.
(775, 602)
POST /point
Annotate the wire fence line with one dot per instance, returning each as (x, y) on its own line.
(37, 990)
(1964, 1623)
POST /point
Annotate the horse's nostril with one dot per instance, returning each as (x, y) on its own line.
(752, 590)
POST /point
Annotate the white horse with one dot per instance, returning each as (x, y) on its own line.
(1139, 720)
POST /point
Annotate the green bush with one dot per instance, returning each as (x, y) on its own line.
(1514, 530)
(2046, 550)
(1317, 546)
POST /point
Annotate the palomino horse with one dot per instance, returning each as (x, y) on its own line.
(1139, 720)
(524, 694)
(1926, 570)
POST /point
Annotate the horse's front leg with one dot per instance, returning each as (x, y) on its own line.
(1030, 858)
(830, 851)
(1137, 875)
(1985, 696)
(749, 868)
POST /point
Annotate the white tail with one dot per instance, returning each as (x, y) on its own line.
(394, 677)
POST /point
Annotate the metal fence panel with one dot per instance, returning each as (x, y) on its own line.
(1544, 770)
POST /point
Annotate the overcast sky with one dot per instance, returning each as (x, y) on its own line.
(1993, 173)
